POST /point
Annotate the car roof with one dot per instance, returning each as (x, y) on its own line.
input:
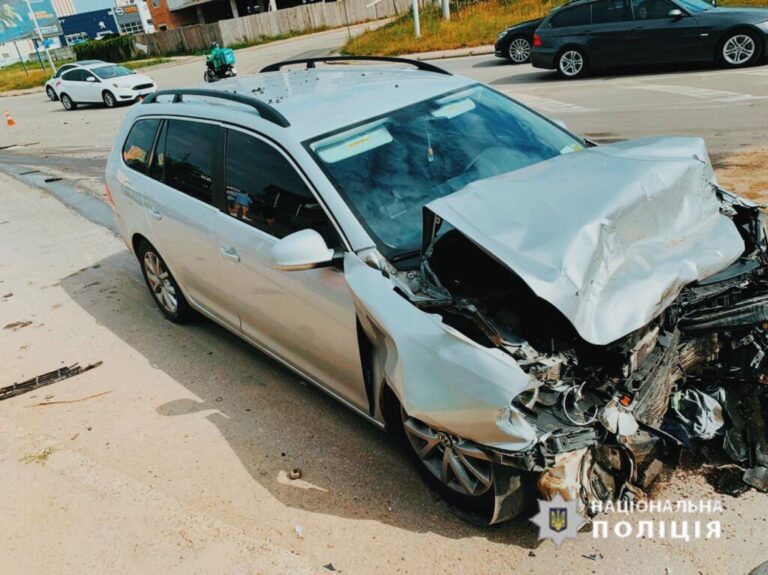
(316, 101)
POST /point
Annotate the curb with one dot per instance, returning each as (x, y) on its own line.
(445, 54)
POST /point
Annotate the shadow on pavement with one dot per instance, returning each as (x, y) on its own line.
(272, 420)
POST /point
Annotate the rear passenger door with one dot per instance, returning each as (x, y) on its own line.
(305, 317)
(610, 37)
(182, 211)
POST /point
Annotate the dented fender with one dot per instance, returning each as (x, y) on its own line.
(440, 376)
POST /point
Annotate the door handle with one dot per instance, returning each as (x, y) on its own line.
(230, 253)
(155, 213)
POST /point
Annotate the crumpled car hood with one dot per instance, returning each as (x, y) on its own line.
(609, 235)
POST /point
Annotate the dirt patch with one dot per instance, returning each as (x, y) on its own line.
(744, 173)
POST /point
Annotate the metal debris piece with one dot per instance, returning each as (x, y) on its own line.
(49, 180)
(294, 473)
(45, 379)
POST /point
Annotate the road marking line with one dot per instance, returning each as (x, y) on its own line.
(700, 93)
(546, 104)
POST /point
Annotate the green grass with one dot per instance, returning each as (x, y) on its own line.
(471, 25)
(13, 77)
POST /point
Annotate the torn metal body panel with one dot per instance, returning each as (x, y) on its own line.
(589, 232)
(559, 309)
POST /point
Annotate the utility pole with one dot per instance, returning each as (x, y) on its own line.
(40, 35)
(416, 23)
(446, 9)
(23, 65)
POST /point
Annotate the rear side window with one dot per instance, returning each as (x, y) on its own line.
(138, 145)
(607, 11)
(189, 157)
(575, 16)
(71, 76)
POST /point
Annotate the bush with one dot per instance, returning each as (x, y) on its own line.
(117, 49)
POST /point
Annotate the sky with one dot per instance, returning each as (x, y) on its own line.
(89, 5)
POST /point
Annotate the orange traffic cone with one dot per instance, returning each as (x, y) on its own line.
(9, 121)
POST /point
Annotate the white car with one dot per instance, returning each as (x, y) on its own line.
(103, 82)
(50, 90)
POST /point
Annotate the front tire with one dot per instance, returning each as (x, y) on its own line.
(455, 468)
(51, 93)
(162, 285)
(519, 51)
(68, 103)
(572, 63)
(739, 49)
(109, 99)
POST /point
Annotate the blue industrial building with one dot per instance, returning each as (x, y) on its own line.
(87, 26)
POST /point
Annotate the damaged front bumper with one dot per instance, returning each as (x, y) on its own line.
(607, 438)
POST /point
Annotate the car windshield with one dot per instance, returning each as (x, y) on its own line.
(695, 6)
(111, 71)
(387, 170)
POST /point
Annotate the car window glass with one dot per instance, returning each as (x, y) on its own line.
(189, 153)
(606, 11)
(61, 70)
(575, 16)
(71, 76)
(652, 9)
(265, 191)
(138, 144)
(157, 165)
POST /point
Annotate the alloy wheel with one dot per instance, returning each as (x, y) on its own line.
(160, 282)
(571, 63)
(66, 101)
(457, 463)
(739, 49)
(519, 50)
(50, 93)
(109, 100)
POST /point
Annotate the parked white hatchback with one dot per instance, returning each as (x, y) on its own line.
(102, 82)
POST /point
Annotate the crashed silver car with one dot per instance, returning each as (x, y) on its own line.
(529, 314)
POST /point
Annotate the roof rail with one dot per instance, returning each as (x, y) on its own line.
(265, 110)
(310, 62)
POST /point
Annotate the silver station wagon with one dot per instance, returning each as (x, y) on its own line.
(517, 306)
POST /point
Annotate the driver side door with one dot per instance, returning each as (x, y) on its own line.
(306, 317)
(663, 38)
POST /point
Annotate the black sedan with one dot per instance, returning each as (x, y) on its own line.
(515, 43)
(590, 34)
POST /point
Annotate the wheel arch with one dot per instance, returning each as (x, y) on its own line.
(754, 30)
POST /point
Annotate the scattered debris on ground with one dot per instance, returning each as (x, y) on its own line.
(40, 458)
(44, 379)
(17, 325)
(63, 401)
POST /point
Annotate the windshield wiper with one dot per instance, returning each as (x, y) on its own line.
(405, 255)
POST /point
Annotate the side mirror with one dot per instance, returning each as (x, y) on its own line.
(90, 79)
(676, 13)
(301, 250)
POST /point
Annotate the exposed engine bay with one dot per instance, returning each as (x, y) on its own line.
(608, 416)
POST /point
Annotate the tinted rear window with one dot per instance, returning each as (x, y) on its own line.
(189, 157)
(138, 145)
(575, 16)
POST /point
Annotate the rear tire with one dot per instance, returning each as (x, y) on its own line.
(519, 51)
(477, 505)
(739, 48)
(109, 99)
(162, 285)
(67, 102)
(51, 93)
(572, 63)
